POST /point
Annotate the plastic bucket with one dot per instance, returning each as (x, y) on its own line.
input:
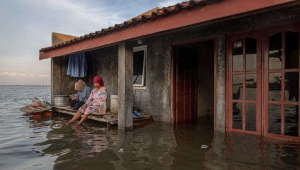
(114, 103)
(61, 100)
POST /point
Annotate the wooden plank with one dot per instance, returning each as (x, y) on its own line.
(34, 110)
(109, 118)
(94, 116)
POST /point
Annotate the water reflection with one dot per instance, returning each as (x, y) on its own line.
(292, 86)
(274, 119)
(237, 116)
(162, 146)
(251, 86)
(275, 51)
(275, 86)
(237, 87)
(251, 116)
(291, 120)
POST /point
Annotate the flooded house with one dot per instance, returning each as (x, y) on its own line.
(234, 61)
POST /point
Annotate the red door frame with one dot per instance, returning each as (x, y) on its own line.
(264, 68)
(173, 75)
(258, 72)
(266, 34)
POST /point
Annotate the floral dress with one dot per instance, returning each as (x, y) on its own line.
(93, 102)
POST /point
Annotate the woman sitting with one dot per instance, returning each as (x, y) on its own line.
(97, 97)
(82, 95)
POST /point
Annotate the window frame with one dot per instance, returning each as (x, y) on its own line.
(137, 49)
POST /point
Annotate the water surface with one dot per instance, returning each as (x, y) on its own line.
(49, 143)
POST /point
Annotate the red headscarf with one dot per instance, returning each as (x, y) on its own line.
(98, 79)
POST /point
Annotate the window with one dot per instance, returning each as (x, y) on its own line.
(139, 65)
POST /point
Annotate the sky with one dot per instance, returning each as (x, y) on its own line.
(26, 27)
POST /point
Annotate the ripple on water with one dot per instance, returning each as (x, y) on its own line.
(27, 143)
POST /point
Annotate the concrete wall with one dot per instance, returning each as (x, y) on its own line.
(62, 83)
(155, 99)
(103, 62)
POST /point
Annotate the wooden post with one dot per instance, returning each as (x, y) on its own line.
(125, 87)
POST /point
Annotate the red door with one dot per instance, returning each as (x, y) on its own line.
(185, 62)
(265, 101)
(281, 83)
(244, 83)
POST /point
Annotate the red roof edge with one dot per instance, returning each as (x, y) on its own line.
(167, 18)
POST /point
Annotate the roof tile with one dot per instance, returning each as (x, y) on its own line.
(158, 13)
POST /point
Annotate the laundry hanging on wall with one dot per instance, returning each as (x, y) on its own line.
(77, 65)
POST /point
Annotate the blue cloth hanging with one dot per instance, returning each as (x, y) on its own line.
(77, 65)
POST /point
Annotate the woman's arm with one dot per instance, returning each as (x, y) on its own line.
(90, 99)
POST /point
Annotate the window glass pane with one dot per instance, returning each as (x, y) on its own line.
(251, 116)
(275, 86)
(237, 116)
(138, 64)
(292, 87)
(237, 89)
(275, 51)
(291, 120)
(274, 119)
(291, 50)
(251, 54)
(237, 55)
(251, 87)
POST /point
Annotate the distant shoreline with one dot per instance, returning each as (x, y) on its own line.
(28, 85)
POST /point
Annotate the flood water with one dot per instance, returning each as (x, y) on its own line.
(49, 143)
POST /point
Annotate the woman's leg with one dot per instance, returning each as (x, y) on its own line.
(72, 104)
(78, 105)
(84, 117)
(75, 117)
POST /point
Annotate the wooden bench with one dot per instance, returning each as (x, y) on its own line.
(109, 118)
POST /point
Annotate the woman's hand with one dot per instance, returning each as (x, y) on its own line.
(84, 108)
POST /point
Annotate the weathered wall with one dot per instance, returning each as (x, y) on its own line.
(155, 99)
(62, 83)
(103, 62)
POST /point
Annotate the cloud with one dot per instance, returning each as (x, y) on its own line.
(27, 26)
(22, 74)
(43, 75)
(169, 3)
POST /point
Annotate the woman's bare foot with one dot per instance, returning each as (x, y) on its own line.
(78, 124)
(70, 122)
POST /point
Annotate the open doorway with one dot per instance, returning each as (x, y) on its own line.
(193, 81)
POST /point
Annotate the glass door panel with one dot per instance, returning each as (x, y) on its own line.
(245, 82)
(281, 82)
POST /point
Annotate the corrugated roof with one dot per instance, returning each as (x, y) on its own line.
(153, 14)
